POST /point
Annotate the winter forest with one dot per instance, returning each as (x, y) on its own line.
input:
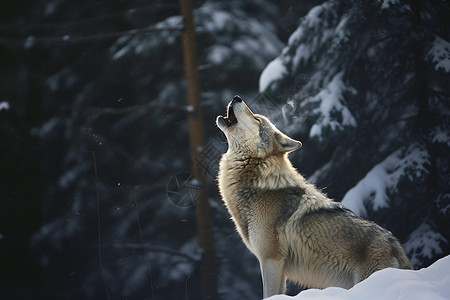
(98, 196)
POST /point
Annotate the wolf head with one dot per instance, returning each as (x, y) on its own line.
(251, 134)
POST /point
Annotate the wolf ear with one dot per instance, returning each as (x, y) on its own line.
(285, 143)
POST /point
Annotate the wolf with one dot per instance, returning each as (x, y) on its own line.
(294, 230)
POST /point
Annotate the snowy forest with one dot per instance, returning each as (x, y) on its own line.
(97, 192)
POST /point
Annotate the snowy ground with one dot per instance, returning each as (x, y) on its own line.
(390, 284)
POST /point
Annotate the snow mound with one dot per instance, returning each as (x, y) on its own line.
(390, 284)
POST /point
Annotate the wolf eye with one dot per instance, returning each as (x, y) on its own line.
(259, 121)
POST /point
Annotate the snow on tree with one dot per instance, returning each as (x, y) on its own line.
(424, 244)
(373, 191)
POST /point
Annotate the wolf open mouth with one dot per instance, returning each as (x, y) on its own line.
(230, 119)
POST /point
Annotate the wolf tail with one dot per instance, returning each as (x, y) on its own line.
(400, 255)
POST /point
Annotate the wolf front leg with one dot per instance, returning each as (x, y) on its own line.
(274, 281)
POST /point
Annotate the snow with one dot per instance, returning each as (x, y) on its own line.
(218, 54)
(312, 34)
(141, 43)
(314, 16)
(225, 37)
(4, 105)
(29, 42)
(393, 284)
(46, 128)
(51, 7)
(441, 136)
(305, 42)
(439, 54)
(424, 242)
(373, 190)
(331, 101)
(275, 70)
(443, 202)
(218, 20)
(387, 3)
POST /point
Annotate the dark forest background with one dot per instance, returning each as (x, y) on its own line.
(95, 170)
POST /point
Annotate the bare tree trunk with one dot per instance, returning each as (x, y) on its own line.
(197, 143)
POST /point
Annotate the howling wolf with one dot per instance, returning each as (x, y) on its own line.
(293, 229)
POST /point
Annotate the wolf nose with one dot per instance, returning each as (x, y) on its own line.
(237, 99)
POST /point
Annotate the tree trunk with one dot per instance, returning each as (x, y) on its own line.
(197, 143)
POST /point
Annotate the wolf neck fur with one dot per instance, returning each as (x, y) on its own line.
(272, 172)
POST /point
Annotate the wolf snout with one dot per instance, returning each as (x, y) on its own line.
(236, 98)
